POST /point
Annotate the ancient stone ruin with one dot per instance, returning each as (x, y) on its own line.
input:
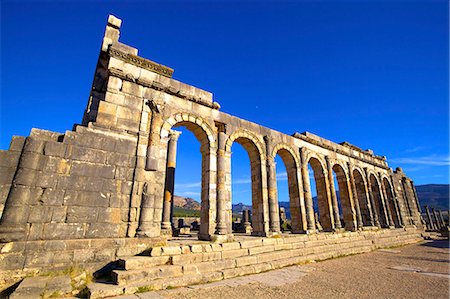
(103, 191)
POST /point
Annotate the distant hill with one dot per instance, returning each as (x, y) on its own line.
(238, 208)
(186, 203)
(434, 195)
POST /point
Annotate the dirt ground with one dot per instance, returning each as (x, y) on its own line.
(414, 271)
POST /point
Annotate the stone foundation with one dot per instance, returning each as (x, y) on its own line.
(182, 265)
(29, 258)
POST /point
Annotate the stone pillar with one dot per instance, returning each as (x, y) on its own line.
(396, 203)
(359, 220)
(436, 221)
(246, 222)
(417, 204)
(151, 162)
(337, 217)
(166, 224)
(406, 198)
(274, 221)
(221, 227)
(147, 210)
(385, 199)
(431, 225)
(311, 226)
(376, 220)
(441, 218)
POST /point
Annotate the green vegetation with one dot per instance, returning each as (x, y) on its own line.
(182, 212)
(144, 289)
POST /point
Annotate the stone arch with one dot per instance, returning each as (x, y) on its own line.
(362, 197)
(196, 124)
(291, 162)
(323, 196)
(205, 135)
(378, 207)
(348, 211)
(253, 146)
(390, 199)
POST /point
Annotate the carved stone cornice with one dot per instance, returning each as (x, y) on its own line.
(141, 62)
(373, 160)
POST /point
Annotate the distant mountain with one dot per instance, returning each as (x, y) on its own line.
(434, 195)
(186, 203)
(238, 208)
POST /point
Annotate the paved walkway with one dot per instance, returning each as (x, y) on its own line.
(415, 271)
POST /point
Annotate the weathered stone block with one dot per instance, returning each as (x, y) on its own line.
(211, 256)
(46, 180)
(246, 260)
(54, 231)
(17, 143)
(251, 243)
(86, 154)
(57, 149)
(59, 214)
(229, 254)
(32, 160)
(12, 261)
(57, 165)
(170, 250)
(96, 230)
(111, 215)
(132, 88)
(120, 160)
(39, 214)
(34, 145)
(81, 215)
(9, 159)
(231, 246)
(92, 170)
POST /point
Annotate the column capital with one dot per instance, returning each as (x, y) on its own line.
(174, 135)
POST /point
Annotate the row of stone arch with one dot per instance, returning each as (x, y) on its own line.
(367, 198)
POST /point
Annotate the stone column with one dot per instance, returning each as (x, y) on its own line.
(396, 203)
(246, 222)
(221, 227)
(436, 221)
(416, 201)
(311, 226)
(359, 220)
(376, 220)
(385, 199)
(147, 210)
(166, 224)
(406, 198)
(337, 218)
(151, 162)
(431, 225)
(274, 221)
(441, 218)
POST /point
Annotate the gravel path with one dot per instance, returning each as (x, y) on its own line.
(414, 271)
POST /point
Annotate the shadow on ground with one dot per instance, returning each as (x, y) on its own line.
(437, 244)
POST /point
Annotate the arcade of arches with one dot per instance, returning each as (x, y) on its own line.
(113, 175)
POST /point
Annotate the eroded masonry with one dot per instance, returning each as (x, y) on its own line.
(112, 177)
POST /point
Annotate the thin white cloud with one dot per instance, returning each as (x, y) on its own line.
(282, 176)
(432, 160)
(241, 181)
(415, 149)
(189, 185)
(188, 193)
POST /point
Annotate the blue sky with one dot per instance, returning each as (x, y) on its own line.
(373, 73)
